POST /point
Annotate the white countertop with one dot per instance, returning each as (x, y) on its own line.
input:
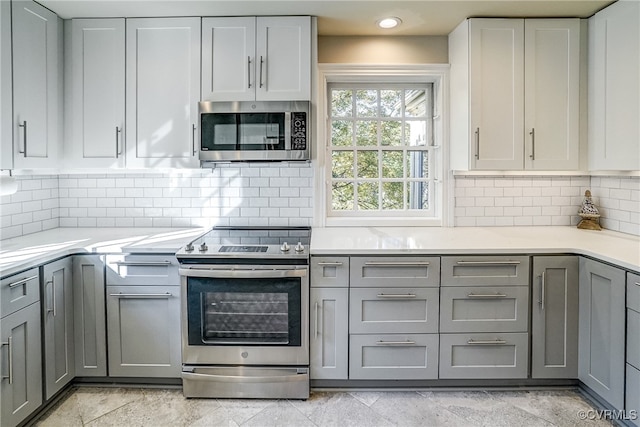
(27, 251)
(616, 248)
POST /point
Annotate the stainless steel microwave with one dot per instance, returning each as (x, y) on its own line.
(254, 131)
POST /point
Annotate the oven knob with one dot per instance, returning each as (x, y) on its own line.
(284, 247)
(189, 247)
(299, 247)
(204, 247)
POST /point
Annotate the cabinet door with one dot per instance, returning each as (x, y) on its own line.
(163, 90)
(551, 93)
(89, 316)
(57, 315)
(554, 325)
(35, 85)
(95, 93)
(614, 87)
(497, 100)
(601, 334)
(633, 395)
(329, 333)
(6, 112)
(283, 58)
(20, 364)
(144, 331)
(228, 59)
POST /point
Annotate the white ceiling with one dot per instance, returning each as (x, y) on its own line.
(337, 17)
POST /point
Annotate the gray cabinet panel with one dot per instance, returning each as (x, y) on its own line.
(633, 338)
(601, 330)
(554, 327)
(484, 309)
(329, 333)
(19, 291)
(397, 356)
(329, 272)
(57, 315)
(633, 291)
(142, 270)
(144, 331)
(20, 359)
(633, 394)
(89, 316)
(485, 270)
(499, 355)
(398, 271)
(391, 310)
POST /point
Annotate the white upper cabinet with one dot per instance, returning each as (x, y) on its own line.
(263, 58)
(95, 87)
(6, 119)
(515, 94)
(614, 88)
(37, 75)
(163, 90)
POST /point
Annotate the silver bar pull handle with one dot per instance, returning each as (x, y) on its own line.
(123, 295)
(10, 357)
(144, 263)
(317, 320)
(477, 143)
(487, 342)
(24, 138)
(487, 296)
(397, 296)
(533, 144)
(543, 285)
(488, 262)
(400, 343)
(53, 296)
(248, 72)
(22, 281)
(261, 67)
(118, 145)
(329, 264)
(193, 138)
(396, 263)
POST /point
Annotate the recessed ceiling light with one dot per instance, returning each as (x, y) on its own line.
(391, 22)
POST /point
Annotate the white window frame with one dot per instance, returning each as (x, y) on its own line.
(403, 74)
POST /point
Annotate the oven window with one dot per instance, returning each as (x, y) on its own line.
(245, 131)
(244, 311)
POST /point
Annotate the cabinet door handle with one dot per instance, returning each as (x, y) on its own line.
(487, 342)
(399, 343)
(118, 145)
(8, 344)
(193, 138)
(24, 138)
(249, 72)
(143, 263)
(477, 143)
(123, 295)
(261, 66)
(533, 144)
(487, 296)
(488, 262)
(396, 263)
(22, 281)
(317, 320)
(397, 296)
(329, 264)
(543, 286)
(53, 297)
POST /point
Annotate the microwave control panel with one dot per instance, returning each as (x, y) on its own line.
(298, 131)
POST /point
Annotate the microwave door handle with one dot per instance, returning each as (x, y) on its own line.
(287, 131)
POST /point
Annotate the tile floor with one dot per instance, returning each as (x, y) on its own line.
(89, 406)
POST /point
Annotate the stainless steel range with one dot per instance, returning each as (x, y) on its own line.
(245, 313)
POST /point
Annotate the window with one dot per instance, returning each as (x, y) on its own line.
(383, 156)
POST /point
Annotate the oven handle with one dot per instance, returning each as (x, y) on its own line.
(243, 273)
(287, 377)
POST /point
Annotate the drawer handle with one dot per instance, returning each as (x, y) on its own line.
(486, 342)
(143, 263)
(397, 263)
(487, 296)
(123, 295)
(22, 281)
(407, 296)
(400, 343)
(329, 264)
(488, 262)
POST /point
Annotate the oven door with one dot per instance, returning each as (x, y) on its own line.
(245, 315)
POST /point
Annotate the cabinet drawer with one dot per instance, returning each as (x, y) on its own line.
(633, 338)
(329, 272)
(396, 357)
(484, 309)
(484, 356)
(391, 310)
(485, 270)
(18, 291)
(141, 270)
(633, 393)
(395, 271)
(633, 291)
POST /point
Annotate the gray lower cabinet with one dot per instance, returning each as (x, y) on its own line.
(632, 403)
(400, 271)
(20, 365)
(508, 270)
(601, 330)
(554, 317)
(19, 291)
(393, 357)
(90, 330)
(329, 333)
(632, 399)
(329, 272)
(484, 355)
(57, 318)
